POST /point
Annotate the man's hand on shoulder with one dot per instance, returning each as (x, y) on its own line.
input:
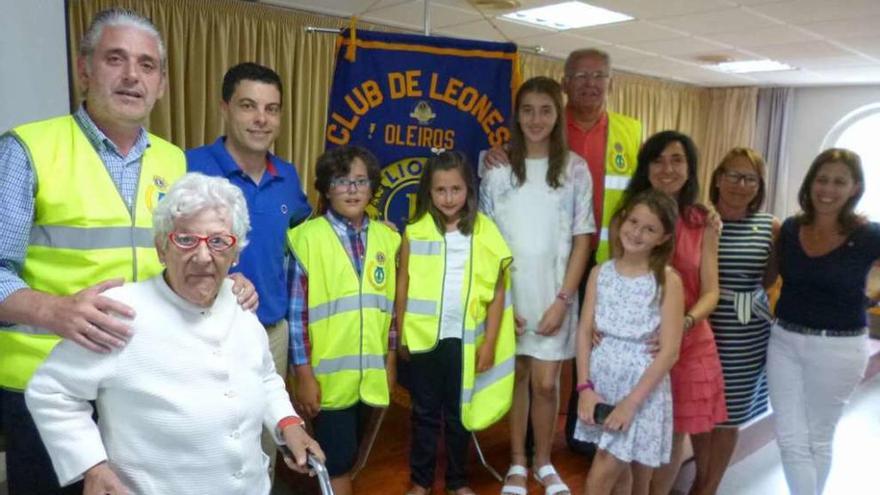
(245, 292)
(89, 318)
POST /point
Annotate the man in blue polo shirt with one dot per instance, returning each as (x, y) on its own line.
(251, 110)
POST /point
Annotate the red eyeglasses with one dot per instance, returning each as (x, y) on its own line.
(216, 243)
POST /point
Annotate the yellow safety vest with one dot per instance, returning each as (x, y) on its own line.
(83, 232)
(349, 315)
(621, 160)
(487, 396)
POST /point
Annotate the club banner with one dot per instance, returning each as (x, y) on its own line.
(401, 95)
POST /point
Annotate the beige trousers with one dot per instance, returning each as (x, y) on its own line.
(279, 337)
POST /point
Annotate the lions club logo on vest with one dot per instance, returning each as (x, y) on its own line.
(376, 271)
(156, 191)
(395, 199)
(619, 160)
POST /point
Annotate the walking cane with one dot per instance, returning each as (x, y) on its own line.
(375, 423)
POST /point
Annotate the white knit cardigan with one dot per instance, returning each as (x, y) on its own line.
(180, 408)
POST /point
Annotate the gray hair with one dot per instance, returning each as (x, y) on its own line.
(195, 192)
(118, 17)
(586, 53)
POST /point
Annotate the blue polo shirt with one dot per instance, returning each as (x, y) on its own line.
(276, 204)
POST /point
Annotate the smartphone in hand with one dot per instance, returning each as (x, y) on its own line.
(601, 412)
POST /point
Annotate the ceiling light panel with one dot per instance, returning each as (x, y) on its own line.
(567, 15)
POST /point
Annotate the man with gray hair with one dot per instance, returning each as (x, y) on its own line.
(609, 141)
(77, 194)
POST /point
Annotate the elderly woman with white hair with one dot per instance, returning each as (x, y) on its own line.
(182, 406)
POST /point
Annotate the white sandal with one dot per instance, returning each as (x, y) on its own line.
(515, 470)
(546, 471)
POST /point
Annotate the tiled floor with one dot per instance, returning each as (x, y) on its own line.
(856, 468)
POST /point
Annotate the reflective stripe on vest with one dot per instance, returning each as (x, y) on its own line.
(83, 232)
(421, 307)
(91, 238)
(493, 375)
(32, 330)
(350, 363)
(350, 303)
(349, 315)
(621, 160)
(487, 396)
(616, 182)
(425, 248)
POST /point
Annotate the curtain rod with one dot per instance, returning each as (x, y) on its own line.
(538, 49)
(313, 29)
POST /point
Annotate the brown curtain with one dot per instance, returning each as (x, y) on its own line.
(730, 120)
(532, 65)
(206, 37)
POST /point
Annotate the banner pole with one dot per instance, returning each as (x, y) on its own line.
(427, 16)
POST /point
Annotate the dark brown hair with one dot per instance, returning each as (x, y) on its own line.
(757, 164)
(336, 162)
(650, 151)
(248, 71)
(848, 219)
(447, 160)
(558, 145)
(664, 207)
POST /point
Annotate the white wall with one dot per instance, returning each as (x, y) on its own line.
(33, 59)
(816, 111)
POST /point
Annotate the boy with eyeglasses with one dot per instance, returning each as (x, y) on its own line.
(342, 284)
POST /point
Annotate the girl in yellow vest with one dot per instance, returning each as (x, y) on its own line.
(456, 331)
(342, 285)
(543, 207)
(624, 392)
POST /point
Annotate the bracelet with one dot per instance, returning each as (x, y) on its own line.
(587, 385)
(565, 297)
(289, 421)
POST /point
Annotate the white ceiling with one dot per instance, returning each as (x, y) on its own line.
(830, 42)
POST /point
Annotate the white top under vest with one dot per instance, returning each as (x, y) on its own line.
(458, 247)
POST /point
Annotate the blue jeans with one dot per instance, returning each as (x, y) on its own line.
(28, 467)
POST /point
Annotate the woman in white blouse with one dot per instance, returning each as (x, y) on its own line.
(182, 406)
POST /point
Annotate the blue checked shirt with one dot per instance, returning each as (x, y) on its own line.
(17, 191)
(354, 241)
